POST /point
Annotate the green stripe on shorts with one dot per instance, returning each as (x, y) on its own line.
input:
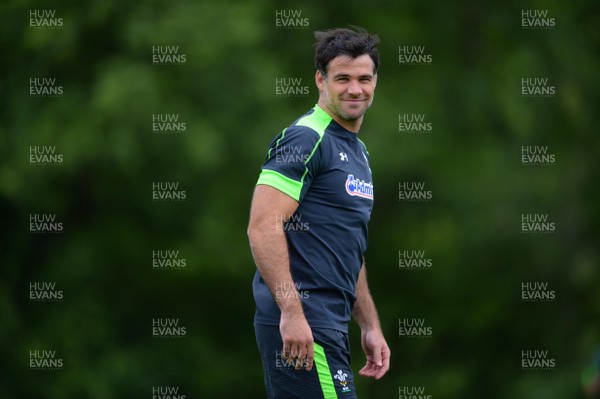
(324, 373)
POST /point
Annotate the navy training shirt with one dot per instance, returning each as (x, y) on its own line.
(325, 168)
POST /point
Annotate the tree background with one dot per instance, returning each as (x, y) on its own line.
(226, 94)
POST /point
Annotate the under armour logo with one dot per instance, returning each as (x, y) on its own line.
(343, 156)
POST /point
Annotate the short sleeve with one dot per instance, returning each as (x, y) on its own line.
(292, 161)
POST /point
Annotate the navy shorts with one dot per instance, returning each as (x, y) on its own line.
(330, 377)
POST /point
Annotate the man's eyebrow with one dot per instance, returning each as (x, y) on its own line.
(346, 75)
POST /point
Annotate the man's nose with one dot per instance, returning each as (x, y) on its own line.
(354, 88)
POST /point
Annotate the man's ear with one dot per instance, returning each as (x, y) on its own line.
(375, 80)
(319, 80)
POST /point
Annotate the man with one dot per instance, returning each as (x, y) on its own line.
(308, 233)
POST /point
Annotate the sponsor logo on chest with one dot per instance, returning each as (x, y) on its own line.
(359, 188)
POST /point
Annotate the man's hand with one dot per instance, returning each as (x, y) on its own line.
(297, 339)
(377, 352)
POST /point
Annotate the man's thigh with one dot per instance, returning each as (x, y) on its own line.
(331, 376)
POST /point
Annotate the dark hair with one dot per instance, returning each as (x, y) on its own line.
(352, 42)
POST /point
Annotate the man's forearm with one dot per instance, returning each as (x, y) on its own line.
(364, 311)
(270, 252)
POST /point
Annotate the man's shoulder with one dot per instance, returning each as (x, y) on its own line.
(315, 120)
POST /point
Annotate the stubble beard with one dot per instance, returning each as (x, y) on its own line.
(337, 109)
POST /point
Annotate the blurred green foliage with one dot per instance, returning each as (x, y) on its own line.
(225, 92)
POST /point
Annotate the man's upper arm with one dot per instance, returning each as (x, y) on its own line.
(269, 205)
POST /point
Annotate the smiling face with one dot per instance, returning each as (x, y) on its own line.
(347, 91)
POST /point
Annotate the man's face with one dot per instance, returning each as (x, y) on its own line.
(349, 86)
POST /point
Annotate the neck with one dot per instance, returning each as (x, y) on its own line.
(353, 126)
